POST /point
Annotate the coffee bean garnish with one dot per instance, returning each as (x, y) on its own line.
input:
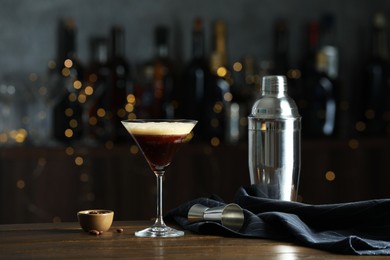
(94, 232)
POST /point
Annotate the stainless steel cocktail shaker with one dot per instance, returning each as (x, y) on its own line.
(275, 141)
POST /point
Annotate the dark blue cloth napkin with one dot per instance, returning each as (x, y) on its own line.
(361, 228)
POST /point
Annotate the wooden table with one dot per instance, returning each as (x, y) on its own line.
(67, 240)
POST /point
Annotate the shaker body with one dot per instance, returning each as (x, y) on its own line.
(274, 157)
(274, 142)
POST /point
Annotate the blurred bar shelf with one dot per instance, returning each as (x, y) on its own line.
(50, 184)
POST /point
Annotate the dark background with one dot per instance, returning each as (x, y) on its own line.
(28, 28)
(40, 183)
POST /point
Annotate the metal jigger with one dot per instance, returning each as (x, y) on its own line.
(230, 215)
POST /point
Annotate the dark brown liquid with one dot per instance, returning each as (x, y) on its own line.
(159, 149)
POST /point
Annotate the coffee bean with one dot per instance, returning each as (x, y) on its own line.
(119, 230)
(94, 232)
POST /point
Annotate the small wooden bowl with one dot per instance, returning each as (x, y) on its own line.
(95, 219)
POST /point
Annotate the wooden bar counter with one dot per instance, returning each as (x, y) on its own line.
(67, 240)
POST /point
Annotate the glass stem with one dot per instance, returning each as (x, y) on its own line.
(159, 219)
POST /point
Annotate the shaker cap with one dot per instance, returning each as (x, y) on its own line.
(274, 102)
(274, 84)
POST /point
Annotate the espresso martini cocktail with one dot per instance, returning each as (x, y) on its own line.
(159, 141)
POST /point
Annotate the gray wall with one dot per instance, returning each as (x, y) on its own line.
(27, 28)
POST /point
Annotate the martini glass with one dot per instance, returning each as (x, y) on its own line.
(159, 141)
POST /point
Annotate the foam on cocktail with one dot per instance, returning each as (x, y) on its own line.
(159, 128)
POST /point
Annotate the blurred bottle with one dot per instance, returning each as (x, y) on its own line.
(281, 58)
(376, 83)
(99, 124)
(67, 122)
(157, 98)
(222, 116)
(280, 47)
(308, 68)
(321, 90)
(197, 92)
(245, 89)
(120, 94)
(312, 45)
(251, 80)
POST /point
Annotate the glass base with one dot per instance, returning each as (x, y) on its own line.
(159, 231)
